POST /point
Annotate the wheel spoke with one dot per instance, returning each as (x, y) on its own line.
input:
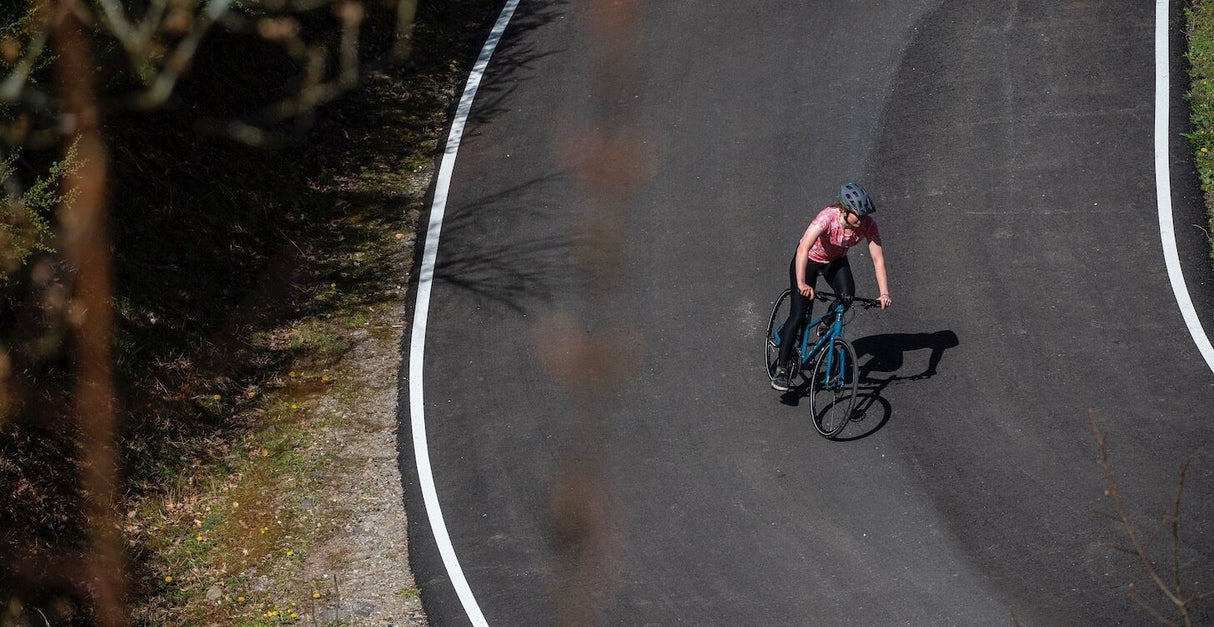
(833, 387)
(771, 346)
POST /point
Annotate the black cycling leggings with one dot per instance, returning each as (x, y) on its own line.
(838, 275)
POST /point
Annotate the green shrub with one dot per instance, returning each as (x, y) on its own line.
(25, 217)
(1200, 19)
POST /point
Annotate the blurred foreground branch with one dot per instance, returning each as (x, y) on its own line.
(86, 244)
(1173, 591)
(159, 44)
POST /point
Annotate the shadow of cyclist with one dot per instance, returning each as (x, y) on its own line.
(886, 353)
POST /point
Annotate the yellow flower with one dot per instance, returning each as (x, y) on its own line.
(324, 378)
(294, 406)
(315, 594)
(272, 613)
(240, 599)
(168, 579)
(265, 529)
(198, 538)
(294, 616)
(290, 552)
(216, 397)
(291, 374)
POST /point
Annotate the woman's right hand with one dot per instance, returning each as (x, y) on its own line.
(806, 290)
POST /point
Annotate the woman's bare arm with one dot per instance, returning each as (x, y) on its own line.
(807, 241)
(878, 255)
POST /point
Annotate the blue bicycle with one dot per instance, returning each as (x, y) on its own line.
(831, 360)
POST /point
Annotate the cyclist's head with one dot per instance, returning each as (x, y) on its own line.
(856, 200)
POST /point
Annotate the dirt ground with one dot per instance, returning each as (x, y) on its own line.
(365, 554)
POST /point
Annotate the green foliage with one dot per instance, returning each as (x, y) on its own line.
(25, 218)
(18, 26)
(1200, 17)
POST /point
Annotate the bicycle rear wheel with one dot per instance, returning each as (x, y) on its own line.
(771, 342)
(832, 387)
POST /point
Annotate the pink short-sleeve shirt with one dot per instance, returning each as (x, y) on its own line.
(835, 240)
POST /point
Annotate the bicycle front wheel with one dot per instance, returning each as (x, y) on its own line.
(771, 342)
(832, 387)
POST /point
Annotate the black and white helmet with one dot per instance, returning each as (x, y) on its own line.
(856, 200)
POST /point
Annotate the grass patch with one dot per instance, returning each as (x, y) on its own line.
(1200, 20)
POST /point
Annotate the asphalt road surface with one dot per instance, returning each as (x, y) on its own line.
(1009, 148)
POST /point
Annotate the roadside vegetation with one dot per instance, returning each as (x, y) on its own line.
(259, 284)
(1200, 20)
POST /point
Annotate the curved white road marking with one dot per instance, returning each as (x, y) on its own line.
(417, 343)
(1163, 185)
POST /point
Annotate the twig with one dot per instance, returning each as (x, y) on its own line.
(162, 88)
(1203, 230)
(337, 599)
(1132, 594)
(1113, 491)
(1114, 494)
(1175, 519)
(10, 90)
(312, 604)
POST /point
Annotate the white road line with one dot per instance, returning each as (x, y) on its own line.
(1163, 185)
(417, 343)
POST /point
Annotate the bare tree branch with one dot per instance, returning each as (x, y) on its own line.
(10, 90)
(1132, 594)
(1175, 520)
(1113, 492)
(162, 88)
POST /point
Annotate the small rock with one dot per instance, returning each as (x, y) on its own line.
(307, 503)
(214, 593)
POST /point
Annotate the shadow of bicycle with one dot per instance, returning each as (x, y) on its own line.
(877, 354)
(887, 353)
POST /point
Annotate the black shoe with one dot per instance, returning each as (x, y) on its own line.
(780, 381)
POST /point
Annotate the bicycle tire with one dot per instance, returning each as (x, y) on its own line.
(832, 396)
(771, 350)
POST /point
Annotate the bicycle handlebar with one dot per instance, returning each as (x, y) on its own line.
(867, 303)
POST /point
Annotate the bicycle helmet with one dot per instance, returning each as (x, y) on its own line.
(856, 200)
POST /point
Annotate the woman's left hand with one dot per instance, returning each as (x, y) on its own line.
(884, 300)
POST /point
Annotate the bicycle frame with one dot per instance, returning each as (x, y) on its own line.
(834, 330)
(834, 318)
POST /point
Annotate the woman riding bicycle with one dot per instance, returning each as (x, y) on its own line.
(823, 250)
